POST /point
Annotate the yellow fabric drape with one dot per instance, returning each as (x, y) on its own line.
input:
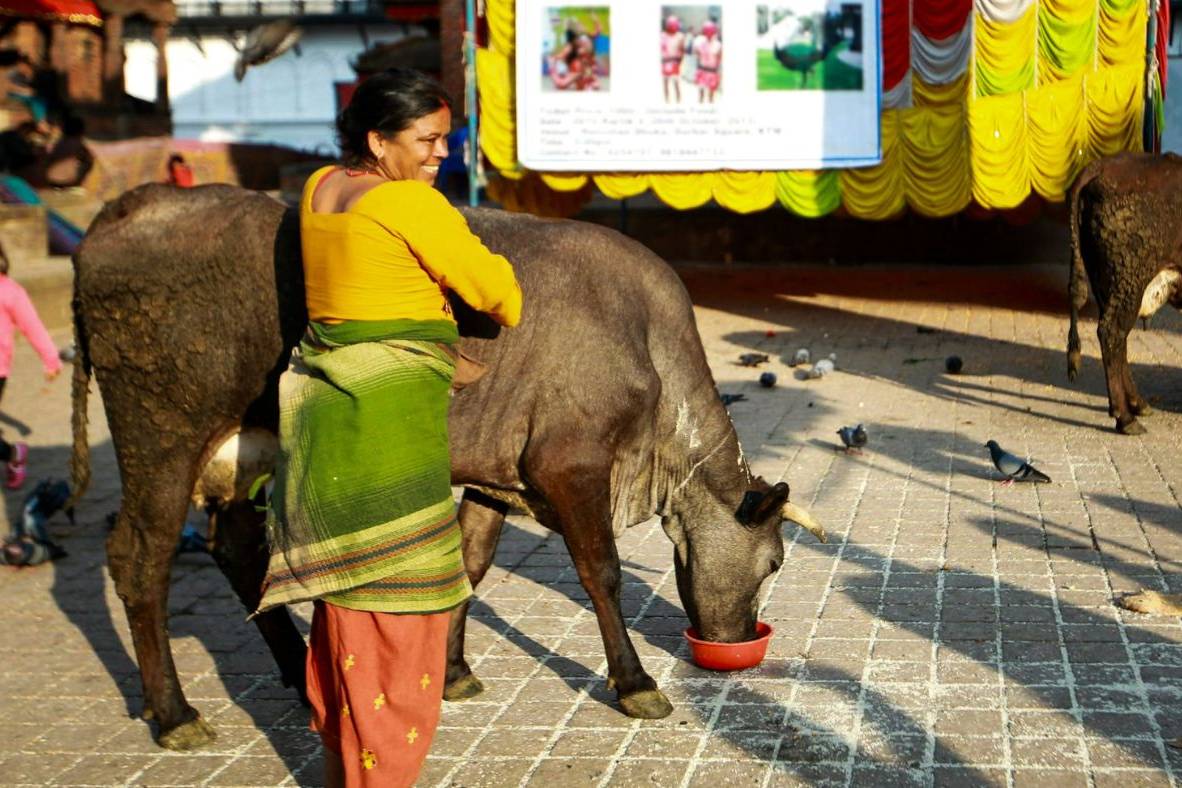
(936, 174)
(1000, 161)
(809, 193)
(502, 21)
(744, 192)
(1058, 134)
(1115, 97)
(927, 95)
(564, 181)
(995, 142)
(498, 130)
(621, 185)
(682, 190)
(1122, 32)
(1066, 38)
(877, 192)
(1005, 53)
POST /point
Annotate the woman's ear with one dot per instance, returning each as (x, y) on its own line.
(376, 143)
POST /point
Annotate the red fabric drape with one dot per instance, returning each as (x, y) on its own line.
(939, 19)
(896, 41)
(80, 12)
(1163, 42)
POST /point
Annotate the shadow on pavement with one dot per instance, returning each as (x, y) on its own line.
(210, 637)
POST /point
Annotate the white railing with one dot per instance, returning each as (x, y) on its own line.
(275, 8)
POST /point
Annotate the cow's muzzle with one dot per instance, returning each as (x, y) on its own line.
(790, 511)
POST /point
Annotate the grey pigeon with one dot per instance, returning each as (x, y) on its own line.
(1013, 468)
(853, 437)
(752, 359)
(266, 42)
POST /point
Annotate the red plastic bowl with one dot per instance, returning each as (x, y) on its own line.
(729, 656)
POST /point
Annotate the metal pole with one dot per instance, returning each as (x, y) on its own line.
(470, 91)
(1149, 139)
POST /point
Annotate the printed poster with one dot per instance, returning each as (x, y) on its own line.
(638, 85)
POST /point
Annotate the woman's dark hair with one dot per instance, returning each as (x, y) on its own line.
(388, 102)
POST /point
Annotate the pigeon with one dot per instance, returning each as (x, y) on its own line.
(821, 368)
(1014, 469)
(801, 356)
(854, 438)
(266, 42)
(729, 399)
(752, 359)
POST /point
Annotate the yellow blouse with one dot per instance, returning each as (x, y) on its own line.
(394, 254)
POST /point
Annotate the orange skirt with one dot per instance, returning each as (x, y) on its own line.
(375, 682)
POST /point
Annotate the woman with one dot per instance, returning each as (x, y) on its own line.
(709, 52)
(362, 516)
(672, 53)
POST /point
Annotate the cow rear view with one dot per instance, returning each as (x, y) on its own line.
(1126, 243)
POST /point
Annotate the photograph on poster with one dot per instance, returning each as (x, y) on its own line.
(576, 48)
(691, 53)
(809, 45)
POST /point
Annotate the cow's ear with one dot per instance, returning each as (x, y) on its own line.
(772, 502)
(758, 506)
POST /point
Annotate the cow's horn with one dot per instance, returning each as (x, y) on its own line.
(791, 511)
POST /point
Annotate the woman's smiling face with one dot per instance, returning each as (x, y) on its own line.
(416, 152)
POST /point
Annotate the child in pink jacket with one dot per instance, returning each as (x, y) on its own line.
(17, 312)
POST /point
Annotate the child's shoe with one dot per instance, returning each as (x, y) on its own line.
(17, 468)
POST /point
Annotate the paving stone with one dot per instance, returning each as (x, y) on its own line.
(1124, 753)
(491, 774)
(711, 774)
(252, 771)
(648, 773)
(183, 769)
(568, 771)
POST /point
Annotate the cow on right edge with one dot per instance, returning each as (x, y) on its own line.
(1126, 239)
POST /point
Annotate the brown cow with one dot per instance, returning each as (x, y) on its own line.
(596, 413)
(1126, 240)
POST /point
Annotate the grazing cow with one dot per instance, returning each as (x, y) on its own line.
(1126, 241)
(595, 414)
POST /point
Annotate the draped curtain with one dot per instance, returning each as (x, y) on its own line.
(985, 101)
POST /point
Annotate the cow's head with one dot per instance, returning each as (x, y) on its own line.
(724, 552)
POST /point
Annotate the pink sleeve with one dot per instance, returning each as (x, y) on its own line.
(25, 317)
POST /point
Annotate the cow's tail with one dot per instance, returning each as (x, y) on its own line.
(80, 392)
(1077, 287)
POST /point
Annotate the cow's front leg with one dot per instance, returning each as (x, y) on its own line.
(240, 549)
(481, 520)
(140, 551)
(1137, 404)
(1113, 333)
(580, 498)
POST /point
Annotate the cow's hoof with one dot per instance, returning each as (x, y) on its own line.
(1132, 427)
(464, 688)
(646, 705)
(189, 735)
(1143, 409)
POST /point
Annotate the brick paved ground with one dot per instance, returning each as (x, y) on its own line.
(954, 632)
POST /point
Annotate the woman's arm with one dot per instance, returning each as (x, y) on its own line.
(439, 236)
